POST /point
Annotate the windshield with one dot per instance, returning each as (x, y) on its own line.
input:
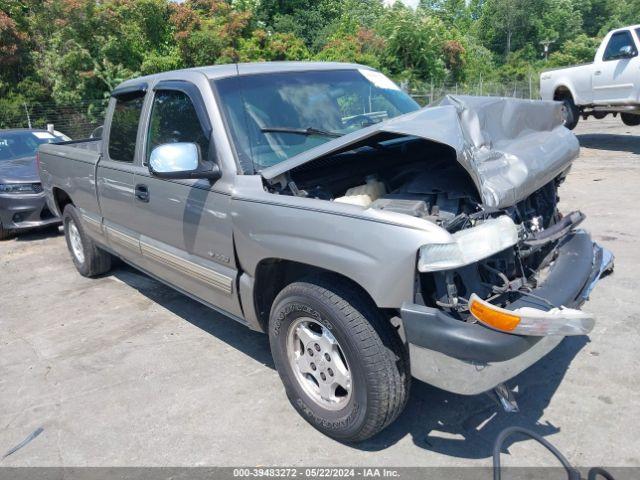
(23, 143)
(275, 116)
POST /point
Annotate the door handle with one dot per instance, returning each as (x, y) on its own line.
(597, 72)
(142, 192)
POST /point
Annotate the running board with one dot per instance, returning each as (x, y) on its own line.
(612, 109)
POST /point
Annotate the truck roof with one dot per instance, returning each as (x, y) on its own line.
(630, 27)
(230, 69)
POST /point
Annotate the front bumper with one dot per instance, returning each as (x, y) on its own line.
(469, 358)
(19, 212)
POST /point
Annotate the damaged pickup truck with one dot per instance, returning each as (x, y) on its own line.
(373, 240)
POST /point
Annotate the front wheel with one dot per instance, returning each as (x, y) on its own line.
(89, 259)
(343, 365)
(630, 119)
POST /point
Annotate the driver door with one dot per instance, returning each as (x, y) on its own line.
(185, 226)
(615, 79)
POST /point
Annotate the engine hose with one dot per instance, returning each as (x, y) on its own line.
(572, 473)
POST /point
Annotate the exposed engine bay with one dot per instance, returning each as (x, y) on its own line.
(423, 179)
(415, 177)
(404, 175)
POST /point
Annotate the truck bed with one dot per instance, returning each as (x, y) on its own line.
(568, 67)
(72, 164)
(93, 145)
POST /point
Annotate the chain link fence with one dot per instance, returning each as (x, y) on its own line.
(434, 92)
(76, 120)
(79, 119)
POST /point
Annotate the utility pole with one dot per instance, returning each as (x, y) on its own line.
(545, 45)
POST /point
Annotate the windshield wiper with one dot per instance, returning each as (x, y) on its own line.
(301, 131)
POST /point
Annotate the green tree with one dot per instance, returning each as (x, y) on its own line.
(594, 14)
(504, 23)
(364, 47)
(414, 43)
(310, 20)
(581, 49)
(263, 46)
(69, 51)
(560, 21)
(13, 44)
(454, 13)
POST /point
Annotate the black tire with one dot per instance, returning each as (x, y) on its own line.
(630, 119)
(5, 233)
(95, 261)
(377, 359)
(571, 113)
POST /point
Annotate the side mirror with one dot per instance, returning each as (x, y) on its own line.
(626, 51)
(181, 160)
(97, 132)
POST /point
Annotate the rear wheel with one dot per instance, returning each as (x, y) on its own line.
(570, 112)
(630, 119)
(343, 365)
(89, 259)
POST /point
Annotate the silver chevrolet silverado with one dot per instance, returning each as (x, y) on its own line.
(373, 240)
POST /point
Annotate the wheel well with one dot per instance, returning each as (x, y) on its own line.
(274, 274)
(561, 93)
(61, 198)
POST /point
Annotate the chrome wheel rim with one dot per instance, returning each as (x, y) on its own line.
(319, 364)
(76, 241)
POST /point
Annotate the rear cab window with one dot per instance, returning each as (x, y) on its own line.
(124, 126)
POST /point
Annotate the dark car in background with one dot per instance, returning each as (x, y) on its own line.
(22, 202)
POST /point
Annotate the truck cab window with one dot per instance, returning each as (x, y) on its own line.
(174, 119)
(124, 127)
(616, 43)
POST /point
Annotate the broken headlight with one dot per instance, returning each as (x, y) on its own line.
(469, 245)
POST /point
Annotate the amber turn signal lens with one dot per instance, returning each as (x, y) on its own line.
(531, 321)
(494, 318)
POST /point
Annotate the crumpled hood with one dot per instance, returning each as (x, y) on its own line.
(19, 170)
(510, 147)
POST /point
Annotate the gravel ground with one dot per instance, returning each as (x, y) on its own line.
(123, 371)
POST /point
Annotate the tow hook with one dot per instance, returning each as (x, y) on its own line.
(506, 399)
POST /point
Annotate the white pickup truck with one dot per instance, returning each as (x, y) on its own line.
(611, 84)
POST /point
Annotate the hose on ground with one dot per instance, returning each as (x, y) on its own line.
(572, 473)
